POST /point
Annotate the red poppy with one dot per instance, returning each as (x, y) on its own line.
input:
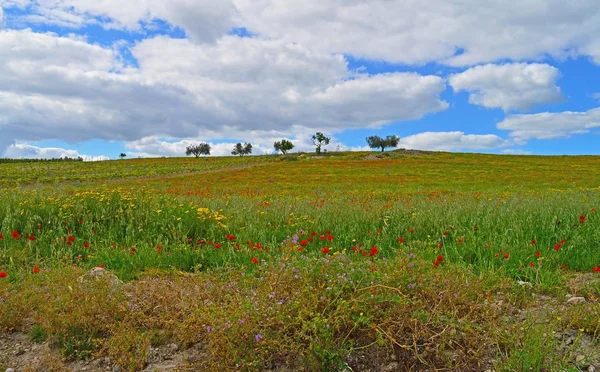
(531, 264)
(303, 243)
(1, 236)
(563, 241)
(310, 239)
(533, 242)
(597, 269)
(582, 219)
(3, 274)
(218, 245)
(35, 270)
(16, 235)
(230, 237)
(373, 251)
(436, 263)
(313, 233)
(330, 238)
(440, 258)
(401, 240)
(322, 237)
(325, 250)
(159, 249)
(132, 251)
(255, 260)
(564, 267)
(557, 247)
(445, 233)
(506, 256)
(496, 255)
(441, 245)
(538, 254)
(86, 245)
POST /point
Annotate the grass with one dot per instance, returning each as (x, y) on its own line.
(264, 263)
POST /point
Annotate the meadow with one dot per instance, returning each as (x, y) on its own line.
(349, 261)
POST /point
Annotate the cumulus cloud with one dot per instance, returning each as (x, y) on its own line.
(452, 141)
(550, 125)
(53, 86)
(512, 86)
(203, 20)
(22, 150)
(457, 33)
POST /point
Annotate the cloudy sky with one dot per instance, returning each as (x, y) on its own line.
(148, 77)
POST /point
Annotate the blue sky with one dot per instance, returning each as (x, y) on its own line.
(148, 79)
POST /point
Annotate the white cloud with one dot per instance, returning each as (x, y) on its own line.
(514, 86)
(59, 87)
(203, 20)
(415, 31)
(457, 33)
(22, 150)
(548, 125)
(452, 141)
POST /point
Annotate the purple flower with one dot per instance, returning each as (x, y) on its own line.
(258, 337)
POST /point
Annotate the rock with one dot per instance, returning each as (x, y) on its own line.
(10, 370)
(522, 283)
(591, 369)
(576, 300)
(393, 366)
(173, 348)
(98, 273)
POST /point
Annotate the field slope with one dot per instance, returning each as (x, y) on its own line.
(351, 261)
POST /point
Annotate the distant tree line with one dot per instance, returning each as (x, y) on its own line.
(284, 146)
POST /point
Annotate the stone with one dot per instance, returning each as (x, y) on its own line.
(98, 273)
(10, 370)
(393, 366)
(576, 300)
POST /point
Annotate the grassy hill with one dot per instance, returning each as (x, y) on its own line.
(400, 260)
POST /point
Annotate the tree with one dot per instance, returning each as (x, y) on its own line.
(376, 142)
(122, 155)
(320, 140)
(284, 146)
(242, 150)
(197, 150)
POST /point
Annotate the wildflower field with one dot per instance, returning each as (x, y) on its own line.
(350, 261)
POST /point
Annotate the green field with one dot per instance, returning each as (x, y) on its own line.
(407, 261)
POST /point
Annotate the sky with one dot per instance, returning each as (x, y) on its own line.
(149, 77)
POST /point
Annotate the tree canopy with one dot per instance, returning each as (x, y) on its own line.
(284, 146)
(242, 150)
(197, 150)
(320, 140)
(376, 142)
